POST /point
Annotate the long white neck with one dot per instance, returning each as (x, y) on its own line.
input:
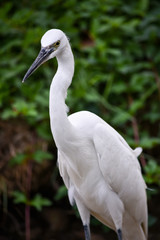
(60, 125)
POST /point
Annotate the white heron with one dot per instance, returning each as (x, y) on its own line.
(100, 170)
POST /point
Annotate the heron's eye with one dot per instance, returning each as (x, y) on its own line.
(57, 43)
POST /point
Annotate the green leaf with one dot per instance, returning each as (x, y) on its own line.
(43, 130)
(8, 113)
(20, 158)
(22, 107)
(135, 106)
(19, 197)
(39, 202)
(152, 172)
(121, 117)
(149, 142)
(40, 155)
(62, 192)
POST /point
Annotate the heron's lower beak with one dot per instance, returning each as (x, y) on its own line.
(41, 58)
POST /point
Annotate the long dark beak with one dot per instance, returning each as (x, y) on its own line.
(41, 58)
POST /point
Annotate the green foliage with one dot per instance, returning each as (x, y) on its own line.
(107, 71)
(62, 192)
(152, 173)
(19, 197)
(37, 201)
(38, 156)
(18, 159)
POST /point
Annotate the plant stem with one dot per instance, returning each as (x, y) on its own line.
(27, 222)
(136, 132)
(27, 207)
(136, 137)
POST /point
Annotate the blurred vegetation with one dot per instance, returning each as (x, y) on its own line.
(117, 76)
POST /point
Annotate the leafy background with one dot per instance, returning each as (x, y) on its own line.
(117, 59)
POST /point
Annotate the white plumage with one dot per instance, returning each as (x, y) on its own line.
(100, 170)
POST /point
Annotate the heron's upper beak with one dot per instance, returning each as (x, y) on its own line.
(41, 58)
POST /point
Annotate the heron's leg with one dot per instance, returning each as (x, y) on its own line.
(87, 232)
(119, 233)
(84, 214)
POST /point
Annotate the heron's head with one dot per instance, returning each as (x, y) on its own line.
(52, 43)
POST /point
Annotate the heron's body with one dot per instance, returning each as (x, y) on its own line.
(100, 170)
(113, 190)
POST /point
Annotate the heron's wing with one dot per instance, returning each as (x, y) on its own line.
(121, 169)
(117, 160)
(63, 170)
(113, 132)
